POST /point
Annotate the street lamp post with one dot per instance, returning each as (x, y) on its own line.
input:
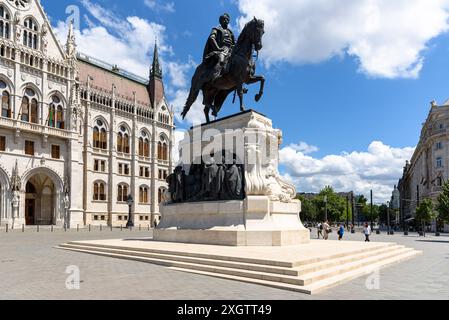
(325, 208)
(347, 211)
(130, 223)
(388, 217)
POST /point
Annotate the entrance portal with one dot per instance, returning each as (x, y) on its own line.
(40, 201)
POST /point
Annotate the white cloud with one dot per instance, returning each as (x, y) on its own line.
(378, 169)
(179, 136)
(196, 114)
(178, 72)
(131, 38)
(157, 6)
(388, 38)
(304, 148)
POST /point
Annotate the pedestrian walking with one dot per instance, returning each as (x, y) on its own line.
(320, 230)
(367, 232)
(341, 232)
(326, 230)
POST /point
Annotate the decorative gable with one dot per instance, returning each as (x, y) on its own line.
(32, 29)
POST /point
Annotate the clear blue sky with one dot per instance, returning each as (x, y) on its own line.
(327, 102)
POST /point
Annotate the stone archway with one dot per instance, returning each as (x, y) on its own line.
(42, 190)
(40, 201)
(4, 196)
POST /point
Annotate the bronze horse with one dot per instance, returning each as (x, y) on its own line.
(241, 72)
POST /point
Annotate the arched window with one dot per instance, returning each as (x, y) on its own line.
(6, 100)
(100, 135)
(161, 192)
(143, 194)
(29, 108)
(56, 113)
(5, 23)
(30, 38)
(99, 191)
(144, 145)
(122, 193)
(162, 148)
(439, 182)
(123, 140)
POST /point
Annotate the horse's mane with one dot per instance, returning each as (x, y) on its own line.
(244, 32)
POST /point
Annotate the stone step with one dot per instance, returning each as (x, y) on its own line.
(328, 283)
(195, 260)
(316, 266)
(264, 262)
(318, 286)
(191, 254)
(278, 278)
(245, 266)
(346, 267)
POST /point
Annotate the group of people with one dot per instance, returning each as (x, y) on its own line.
(324, 229)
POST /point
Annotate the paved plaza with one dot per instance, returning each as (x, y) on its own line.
(30, 268)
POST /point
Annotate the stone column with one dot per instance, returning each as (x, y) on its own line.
(154, 173)
(134, 188)
(112, 157)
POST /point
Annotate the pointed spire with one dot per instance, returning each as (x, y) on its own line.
(156, 69)
(71, 44)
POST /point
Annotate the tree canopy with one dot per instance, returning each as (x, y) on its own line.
(443, 204)
(425, 211)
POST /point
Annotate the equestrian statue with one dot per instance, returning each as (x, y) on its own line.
(227, 66)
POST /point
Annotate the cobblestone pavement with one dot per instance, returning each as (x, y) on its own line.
(30, 268)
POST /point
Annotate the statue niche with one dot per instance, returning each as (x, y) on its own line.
(208, 181)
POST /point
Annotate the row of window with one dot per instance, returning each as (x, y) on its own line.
(107, 101)
(30, 32)
(30, 150)
(100, 166)
(123, 142)
(123, 193)
(29, 108)
(5, 23)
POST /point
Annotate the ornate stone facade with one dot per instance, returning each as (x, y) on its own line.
(428, 169)
(77, 136)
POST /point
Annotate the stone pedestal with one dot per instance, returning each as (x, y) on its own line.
(267, 213)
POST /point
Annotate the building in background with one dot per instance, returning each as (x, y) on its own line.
(427, 171)
(77, 136)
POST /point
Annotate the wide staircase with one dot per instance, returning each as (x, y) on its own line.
(308, 275)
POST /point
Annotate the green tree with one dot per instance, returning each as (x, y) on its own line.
(443, 204)
(383, 214)
(425, 213)
(309, 211)
(336, 205)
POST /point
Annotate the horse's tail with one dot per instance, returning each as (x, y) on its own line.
(194, 92)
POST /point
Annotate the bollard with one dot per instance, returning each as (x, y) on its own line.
(77, 228)
(149, 228)
(89, 228)
(111, 227)
(101, 227)
(140, 229)
(7, 228)
(37, 228)
(121, 227)
(23, 228)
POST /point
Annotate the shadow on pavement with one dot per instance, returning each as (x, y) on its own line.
(434, 241)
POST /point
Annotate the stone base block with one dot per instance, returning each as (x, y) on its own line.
(235, 238)
(255, 221)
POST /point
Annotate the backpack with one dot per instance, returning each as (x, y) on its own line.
(321, 227)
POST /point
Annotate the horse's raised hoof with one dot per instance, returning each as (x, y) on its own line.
(258, 97)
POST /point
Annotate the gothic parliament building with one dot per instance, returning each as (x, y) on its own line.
(78, 137)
